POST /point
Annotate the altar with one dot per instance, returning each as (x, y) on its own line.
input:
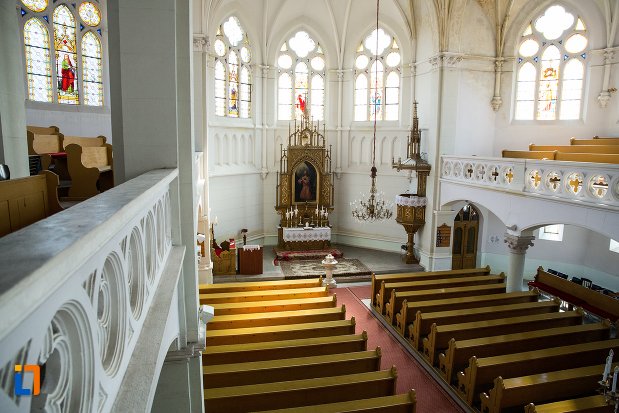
(305, 238)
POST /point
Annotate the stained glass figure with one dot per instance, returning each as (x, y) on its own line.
(92, 68)
(38, 63)
(549, 80)
(35, 5)
(90, 14)
(66, 55)
(233, 85)
(382, 81)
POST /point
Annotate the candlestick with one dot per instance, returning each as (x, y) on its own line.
(615, 374)
(609, 362)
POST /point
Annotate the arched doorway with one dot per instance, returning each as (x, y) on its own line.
(466, 231)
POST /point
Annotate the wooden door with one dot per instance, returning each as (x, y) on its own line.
(466, 231)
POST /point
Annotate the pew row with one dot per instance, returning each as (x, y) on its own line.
(250, 307)
(220, 322)
(400, 403)
(612, 158)
(258, 286)
(424, 321)
(269, 371)
(409, 309)
(541, 388)
(608, 149)
(297, 393)
(270, 350)
(379, 279)
(83, 141)
(590, 404)
(590, 300)
(467, 286)
(43, 130)
(549, 155)
(595, 141)
(24, 201)
(91, 170)
(280, 332)
(459, 352)
(243, 296)
(481, 372)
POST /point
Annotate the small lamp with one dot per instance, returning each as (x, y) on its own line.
(243, 233)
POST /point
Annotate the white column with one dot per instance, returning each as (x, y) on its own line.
(518, 245)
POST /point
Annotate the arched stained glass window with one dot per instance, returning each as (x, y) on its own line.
(377, 70)
(63, 52)
(301, 83)
(232, 70)
(38, 64)
(550, 74)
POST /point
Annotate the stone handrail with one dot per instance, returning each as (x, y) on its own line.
(583, 182)
(76, 289)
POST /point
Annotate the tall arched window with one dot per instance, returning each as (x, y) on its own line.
(377, 77)
(232, 70)
(68, 69)
(550, 73)
(301, 82)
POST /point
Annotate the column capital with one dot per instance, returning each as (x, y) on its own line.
(201, 42)
(518, 244)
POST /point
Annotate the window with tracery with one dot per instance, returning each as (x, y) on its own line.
(301, 81)
(232, 70)
(377, 77)
(63, 53)
(551, 67)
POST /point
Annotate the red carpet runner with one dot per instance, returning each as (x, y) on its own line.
(430, 396)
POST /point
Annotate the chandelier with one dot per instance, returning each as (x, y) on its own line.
(375, 208)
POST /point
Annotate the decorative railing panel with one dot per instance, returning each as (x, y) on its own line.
(75, 293)
(582, 182)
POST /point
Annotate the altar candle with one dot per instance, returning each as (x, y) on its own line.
(615, 374)
(609, 362)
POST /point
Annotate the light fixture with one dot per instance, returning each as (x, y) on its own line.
(375, 208)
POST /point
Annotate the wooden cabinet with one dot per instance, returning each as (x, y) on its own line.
(250, 261)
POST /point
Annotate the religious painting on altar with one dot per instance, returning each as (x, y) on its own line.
(305, 183)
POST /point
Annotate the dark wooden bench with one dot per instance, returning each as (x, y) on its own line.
(590, 404)
(388, 289)
(220, 322)
(296, 393)
(258, 286)
(457, 355)
(268, 371)
(269, 350)
(409, 309)
(281, 332)
(267, 295)
(541, 388)
(379, 280)
(399, 403)
(325, 301)
(424, 321)
(481, 372)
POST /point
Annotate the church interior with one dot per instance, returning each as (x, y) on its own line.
(329, 206)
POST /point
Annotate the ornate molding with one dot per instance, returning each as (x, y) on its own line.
(445, 60)
(496, 103)
(263, 173)
(201, 43)
(604, 98)
(518, 244)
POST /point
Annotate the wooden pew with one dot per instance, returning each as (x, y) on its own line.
(279, 332)
(378, 279)
(270, 350)
(609, 149)
(409, 309)
(43, 145)
(540, 388)
(398, 297)
(592, 301)
(298, 393)
(269, 371)
(481, 372)
(83, 141)
(595, 141)
(42, 130)
(399, 403)
(91, 170)
(24, 201)
(590, 404)
(459, 352)
(395, 303)
(424, 321)
(325, 301)
(549, 155)
(220, 322)
(587, 157)
(259, 285)
(243, 296)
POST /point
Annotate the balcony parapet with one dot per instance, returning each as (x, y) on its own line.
(592, 184)
(76, 289)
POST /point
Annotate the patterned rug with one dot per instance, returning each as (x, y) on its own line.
(305, 255)
(345, 270)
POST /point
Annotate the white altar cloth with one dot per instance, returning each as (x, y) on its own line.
(304, 234)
